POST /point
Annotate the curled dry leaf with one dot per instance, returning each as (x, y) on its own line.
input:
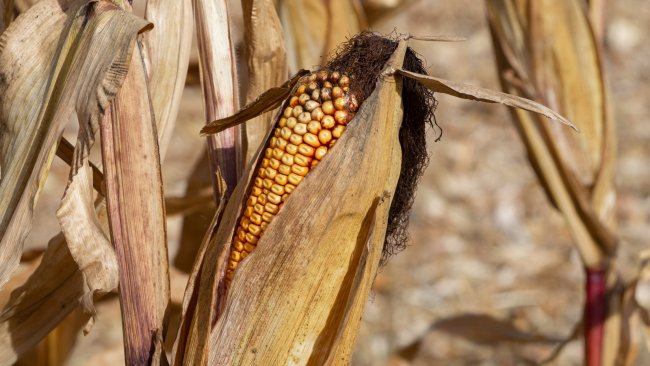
(466, 91)
(67, 68)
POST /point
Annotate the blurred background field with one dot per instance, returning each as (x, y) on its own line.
(484, 240)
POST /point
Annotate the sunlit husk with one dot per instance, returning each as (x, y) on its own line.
(316, 27)
(299, 297)
(267, 64)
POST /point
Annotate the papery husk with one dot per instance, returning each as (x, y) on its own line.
(136, 212)
(168, 45)
(66, 70)
(299, 297)
(38, 306)
(315, 27)
(267, 64)
(219, 84)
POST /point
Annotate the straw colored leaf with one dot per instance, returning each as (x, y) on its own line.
(218, 80)
(465, 91)
(169, 46)
(49, 69)
(137, 216)
(188, 346)
(37, 307)
(267, 63)
(316, 27)
(563, 70)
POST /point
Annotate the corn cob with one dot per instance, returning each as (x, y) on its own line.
(313, 119)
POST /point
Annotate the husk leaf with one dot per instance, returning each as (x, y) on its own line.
(267, 64)
(218, 81)
(313, 28)
(169, 45)
(61, 70)
(136, 213)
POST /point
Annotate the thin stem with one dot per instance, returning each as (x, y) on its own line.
(595, 312)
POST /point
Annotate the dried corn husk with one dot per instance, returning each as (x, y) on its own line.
(315, 27)
(169, 45)
(72, 55)
(299, 297)
(218, 81)
(267, 64)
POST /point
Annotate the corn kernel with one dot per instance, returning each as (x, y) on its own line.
(300, 170)
(294, 179)
(283, 169)
(328, 122)
(292, 149)
(306, 150)
(321, 151)
(295, 139)
(280, 179)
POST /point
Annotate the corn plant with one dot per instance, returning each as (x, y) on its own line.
(285, 269)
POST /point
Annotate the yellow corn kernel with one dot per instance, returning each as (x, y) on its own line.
(315, 117)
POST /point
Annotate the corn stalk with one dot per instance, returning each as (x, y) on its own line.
(546, 51)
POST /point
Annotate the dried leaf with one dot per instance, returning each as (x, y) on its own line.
(218, 80)
(466, 91)
(33, 117)
(169, 46)
(267, 101)
(563, 70)
(316, 27)
(37, 307)
(267, 63)
(86, 236)
(137, 216)
(484, 329)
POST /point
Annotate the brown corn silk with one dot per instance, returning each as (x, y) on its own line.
(313, 119)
